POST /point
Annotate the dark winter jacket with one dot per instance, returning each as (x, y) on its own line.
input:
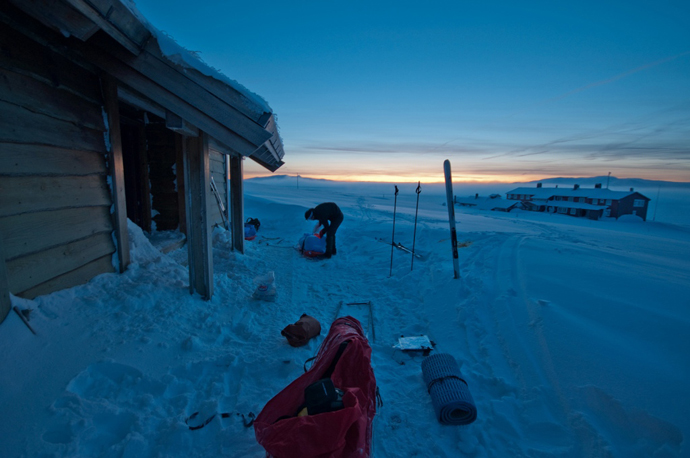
(327, 212)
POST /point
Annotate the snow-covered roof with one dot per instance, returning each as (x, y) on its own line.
(485, 203)
(188, 59)
(156, 74)
(591, 193)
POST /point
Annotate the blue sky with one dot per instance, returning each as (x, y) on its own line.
(385, 91)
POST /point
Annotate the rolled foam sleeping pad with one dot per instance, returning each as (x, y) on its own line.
(449, 392)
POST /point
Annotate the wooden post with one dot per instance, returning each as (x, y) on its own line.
(116, 170)
(144, 179)
(199, 242)
(181, 189)
(5, 303)
(228, 201)
(237, 202)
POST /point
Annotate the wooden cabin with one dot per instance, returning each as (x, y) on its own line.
(101, 122)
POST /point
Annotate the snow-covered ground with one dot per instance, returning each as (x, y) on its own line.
(573, 335)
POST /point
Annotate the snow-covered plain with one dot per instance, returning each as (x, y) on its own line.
(573, 335)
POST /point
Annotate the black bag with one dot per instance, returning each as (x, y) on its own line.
(254, 222)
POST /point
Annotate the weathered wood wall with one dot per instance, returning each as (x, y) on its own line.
(55, 201)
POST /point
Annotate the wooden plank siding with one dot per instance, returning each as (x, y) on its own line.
(40, 97)
(45, 65)
(28, 271)
(30, 233)
(27, 194)
(55, 219)
(31, 159)
(46, 130)
(75, 277)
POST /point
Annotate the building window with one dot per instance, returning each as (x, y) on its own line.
(638, 203)
(573, 211)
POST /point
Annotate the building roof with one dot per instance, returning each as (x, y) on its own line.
(156, 74)
(486, 203)
(591, 193)
(578, 205)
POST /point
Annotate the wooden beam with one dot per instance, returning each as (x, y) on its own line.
(155, 67)
(117, 175)
(5, 303)
(116, 20)
(199, 247)
(154, 76)
(144, 179)
(32, 54)
(179, 125)
(60, 17)
(237, 202)
(228, 201)
(180, 173)
(170, 101)
(139, 101)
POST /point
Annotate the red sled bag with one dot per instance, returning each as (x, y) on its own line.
(345, 358)
(313, 245)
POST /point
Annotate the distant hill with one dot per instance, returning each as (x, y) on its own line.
(613, 182)
(290, 180)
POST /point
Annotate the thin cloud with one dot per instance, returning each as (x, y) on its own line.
(616, 78)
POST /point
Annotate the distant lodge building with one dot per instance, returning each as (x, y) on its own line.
(590, 203)
(493, 203)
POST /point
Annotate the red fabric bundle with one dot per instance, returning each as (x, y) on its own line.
(337, 434)
(305, 328)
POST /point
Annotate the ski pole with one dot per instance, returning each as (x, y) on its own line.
(395, 206)
(414, 236)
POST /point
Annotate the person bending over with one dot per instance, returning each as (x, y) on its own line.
(329, 216)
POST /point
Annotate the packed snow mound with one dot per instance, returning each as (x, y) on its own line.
(140, 248)
(630, 219)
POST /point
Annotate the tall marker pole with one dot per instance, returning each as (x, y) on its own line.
(395, 206)
(414, 237)
(451, 217)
